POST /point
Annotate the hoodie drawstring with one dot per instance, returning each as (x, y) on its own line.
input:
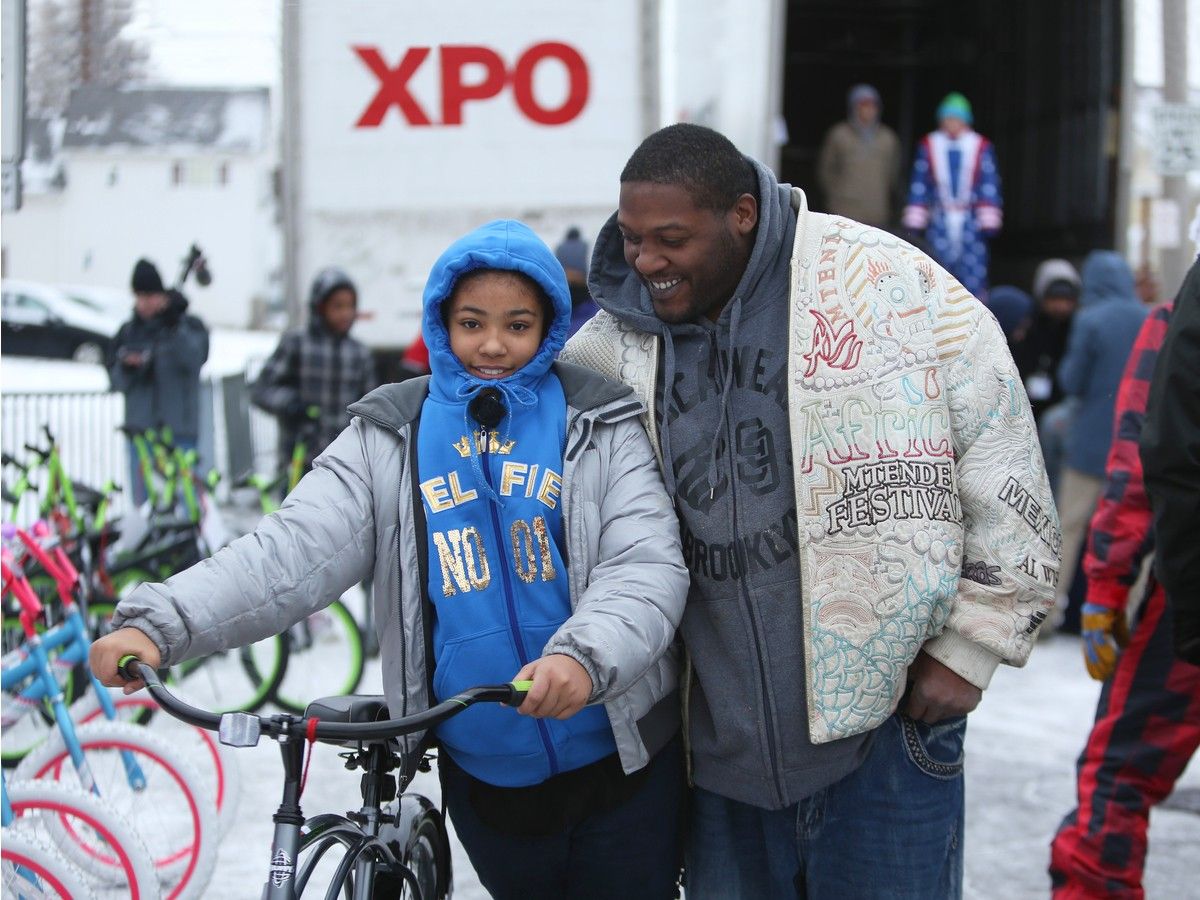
(514, 395)
(668, 406)
(735, 314)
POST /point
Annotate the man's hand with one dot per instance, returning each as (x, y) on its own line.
(133, 359)
(561, 687)
(109, 650)
(937, 692)
(1105, 632)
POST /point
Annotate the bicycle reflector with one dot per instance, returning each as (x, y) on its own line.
(239, 729)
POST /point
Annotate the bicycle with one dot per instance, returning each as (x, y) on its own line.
(133, 770)
(31, 869)
(327, 651)
(87, 822)
(395, 850)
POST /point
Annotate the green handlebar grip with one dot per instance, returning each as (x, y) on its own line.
(520, 689)
(121, 665)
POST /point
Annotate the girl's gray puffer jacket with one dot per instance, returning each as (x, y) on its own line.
(353, 516)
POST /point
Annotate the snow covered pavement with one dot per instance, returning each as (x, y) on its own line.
(1021, 749)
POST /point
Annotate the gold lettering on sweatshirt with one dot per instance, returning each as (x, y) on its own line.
(463, 560)
(525, 557)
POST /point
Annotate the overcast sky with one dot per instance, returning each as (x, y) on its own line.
(210, 42)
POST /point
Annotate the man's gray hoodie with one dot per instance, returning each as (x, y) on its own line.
(743, 625)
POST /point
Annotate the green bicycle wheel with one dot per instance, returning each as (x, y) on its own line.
(325, 657)
(244, 678)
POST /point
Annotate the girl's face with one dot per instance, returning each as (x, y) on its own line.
(495, 324)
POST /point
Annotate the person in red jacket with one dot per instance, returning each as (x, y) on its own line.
(1148, 717)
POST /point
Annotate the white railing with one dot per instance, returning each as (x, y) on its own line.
(85, 425)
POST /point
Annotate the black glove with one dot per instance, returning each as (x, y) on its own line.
(177, 305)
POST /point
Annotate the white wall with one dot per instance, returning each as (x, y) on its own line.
(720, 66)
(384, 201)
(118, 207)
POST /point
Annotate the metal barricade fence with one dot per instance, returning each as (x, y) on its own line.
(235, 438)
(84, 423)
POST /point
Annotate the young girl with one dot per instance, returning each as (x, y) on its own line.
(513, 516)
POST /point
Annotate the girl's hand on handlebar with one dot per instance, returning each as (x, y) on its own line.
(561, 687)
(108, 651)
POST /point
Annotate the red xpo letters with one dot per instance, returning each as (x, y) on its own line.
(393, 83)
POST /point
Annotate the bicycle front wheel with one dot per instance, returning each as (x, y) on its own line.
(31, 868)
(165, 798)
(234, 680)
(116, 855)
(325, 658)
(215, 762)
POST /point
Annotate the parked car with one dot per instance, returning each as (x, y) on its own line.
(40, 320)
(115, 304)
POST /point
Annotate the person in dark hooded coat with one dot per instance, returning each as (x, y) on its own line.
(317, 372)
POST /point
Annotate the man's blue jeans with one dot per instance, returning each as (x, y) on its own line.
(891, 829)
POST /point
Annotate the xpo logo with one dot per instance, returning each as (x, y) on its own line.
(457, 92)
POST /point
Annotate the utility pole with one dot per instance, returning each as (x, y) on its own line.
(1174, 260)
(290, 162)
(86, 29)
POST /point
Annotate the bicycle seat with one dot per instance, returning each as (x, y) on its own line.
(87, 496)
(348, 709)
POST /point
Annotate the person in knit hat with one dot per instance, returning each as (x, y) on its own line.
(954, 195)
(859, 164)
(155, 362)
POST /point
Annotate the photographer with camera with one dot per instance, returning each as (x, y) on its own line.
(156, 361)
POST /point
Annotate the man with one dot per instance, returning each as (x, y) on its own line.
(1148, 717)
(859, 164)
(1170, 449)
(844, 432)
(156, 361)
(954, 195)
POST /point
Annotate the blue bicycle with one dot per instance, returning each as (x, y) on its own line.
(138, 774)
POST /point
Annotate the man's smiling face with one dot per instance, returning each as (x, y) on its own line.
(690, 258)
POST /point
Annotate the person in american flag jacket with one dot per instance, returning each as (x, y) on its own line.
(1148, 718)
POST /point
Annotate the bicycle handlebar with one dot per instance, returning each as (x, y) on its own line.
(511, 694)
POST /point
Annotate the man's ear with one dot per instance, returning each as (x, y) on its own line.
(744, 214)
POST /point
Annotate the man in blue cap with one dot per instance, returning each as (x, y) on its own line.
(954, 195)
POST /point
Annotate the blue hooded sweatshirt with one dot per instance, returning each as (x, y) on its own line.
(497, 568)
(1101, 338)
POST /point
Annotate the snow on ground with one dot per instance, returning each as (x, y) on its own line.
(1021, 749)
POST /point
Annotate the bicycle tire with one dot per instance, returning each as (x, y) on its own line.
(325, 658)
(216, 763)
(174, 816)
(227, 681)
(419, 841)
(40, 859)
(108, 838)
(242, 679)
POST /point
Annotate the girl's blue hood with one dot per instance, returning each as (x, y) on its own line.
(503, 244)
